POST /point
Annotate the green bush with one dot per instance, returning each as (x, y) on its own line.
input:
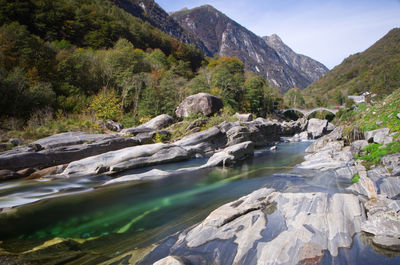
(107, 106)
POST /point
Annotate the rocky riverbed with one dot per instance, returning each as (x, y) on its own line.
(270, 227)
(308, 222)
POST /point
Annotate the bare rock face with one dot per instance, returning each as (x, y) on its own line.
(379, 136)
(304, 224)
(199, 103)
(225, 37)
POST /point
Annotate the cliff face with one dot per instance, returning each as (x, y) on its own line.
(151, 12)
(223, 36)
(307, 67)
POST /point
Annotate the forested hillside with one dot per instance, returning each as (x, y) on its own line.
(92, 59)
(376, 70)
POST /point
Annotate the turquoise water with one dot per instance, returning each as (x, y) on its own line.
(96, 223)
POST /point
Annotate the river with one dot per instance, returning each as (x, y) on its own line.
(92, 223)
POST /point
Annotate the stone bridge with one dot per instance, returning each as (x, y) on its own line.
(308, 112)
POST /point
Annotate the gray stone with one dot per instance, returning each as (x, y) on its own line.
(305, 135)
(6, 174)
(112, 125)
(311, 223)
(159, 122)
(377, 136)
(260, 132)
(330, 127)
(167, 155)
(244, 117)
(205, 141)
(169, 261)
(335, 135)
(317, 127)
(293, 127)
(356, 146)
(154, 174)
(203, 103)
(62, 149)
(392, 162)
(15, 141)
(90, 165)
(398, 115)
(383, 221)
(231, 154)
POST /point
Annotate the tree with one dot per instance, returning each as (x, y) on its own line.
(254, 94)
(294, 98)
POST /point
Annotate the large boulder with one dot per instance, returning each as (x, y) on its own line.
(158, 123)
(379, 136)
(112, 125)
(261, 132)
(293, 127)
(127, 158)
(231, 154)
(199, 103)
(204, 142)
(244, 117)
(317, 127)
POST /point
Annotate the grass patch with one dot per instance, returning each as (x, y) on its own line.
(376, 151)
(355, 178)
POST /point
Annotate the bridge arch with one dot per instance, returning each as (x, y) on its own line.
(307, 112)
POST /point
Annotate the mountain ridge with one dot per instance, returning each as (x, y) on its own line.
(225, 37)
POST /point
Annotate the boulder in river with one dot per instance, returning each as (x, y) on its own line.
(203, 103)
(231, 154)
(112, 125)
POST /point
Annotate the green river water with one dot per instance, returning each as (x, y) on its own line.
(93, 223)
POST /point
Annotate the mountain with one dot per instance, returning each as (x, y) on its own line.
(376, 70)
(149, 11)
(225, 37)
(307, 67)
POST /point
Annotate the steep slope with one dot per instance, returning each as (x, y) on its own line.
(151, 12)
(376, 70)
(307, 67)
(223, 36)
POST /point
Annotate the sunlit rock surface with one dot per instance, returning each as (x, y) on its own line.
(268, 227)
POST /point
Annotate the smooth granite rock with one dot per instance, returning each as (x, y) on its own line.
(334, 136)
(383, 221)
(62, 149)
(231, 154)
(203, 103)
(268, 227)
(91, 165)
(205, 141)
(379, 136)
(356, 146)
(112, 125)
(317, 127)
(156, 124)
(392, 162)
(244, 117)
(169, 261)
(293, 127)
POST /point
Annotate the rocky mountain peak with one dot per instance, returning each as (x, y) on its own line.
(224, 37)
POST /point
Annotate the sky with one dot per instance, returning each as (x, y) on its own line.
(326, 30)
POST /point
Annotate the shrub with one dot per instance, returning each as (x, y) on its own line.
(106, 105)
(355, 178)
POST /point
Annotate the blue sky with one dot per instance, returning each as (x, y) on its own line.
(326, 30)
